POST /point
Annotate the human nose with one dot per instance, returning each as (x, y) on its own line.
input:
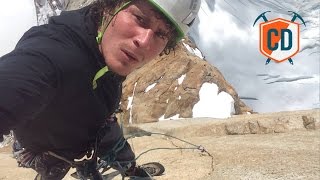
(143, 39)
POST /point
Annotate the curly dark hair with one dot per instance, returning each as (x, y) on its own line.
(99, 7)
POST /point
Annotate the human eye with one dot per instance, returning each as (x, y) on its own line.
(140, 19)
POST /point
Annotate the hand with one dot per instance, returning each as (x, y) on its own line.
(3, 133)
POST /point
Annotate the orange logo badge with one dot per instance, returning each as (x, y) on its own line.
(279, 38)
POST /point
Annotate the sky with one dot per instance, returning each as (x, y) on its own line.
(225, 35)
(15, 18)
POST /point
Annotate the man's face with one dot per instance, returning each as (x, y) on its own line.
(135, 36)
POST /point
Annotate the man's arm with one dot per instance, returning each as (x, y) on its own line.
(27, 84)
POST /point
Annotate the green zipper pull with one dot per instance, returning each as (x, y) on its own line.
(100, 73)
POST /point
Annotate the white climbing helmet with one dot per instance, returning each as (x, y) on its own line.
(181, 13)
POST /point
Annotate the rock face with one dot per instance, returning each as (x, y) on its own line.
(154, 90)
(268, 123)
(260, 153)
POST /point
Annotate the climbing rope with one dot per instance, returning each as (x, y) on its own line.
(109, 159)
(117, 147)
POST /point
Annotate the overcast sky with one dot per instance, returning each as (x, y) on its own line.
(228, 40)
(16, 16)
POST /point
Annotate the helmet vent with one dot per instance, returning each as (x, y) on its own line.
(189, 19)
(190, 24)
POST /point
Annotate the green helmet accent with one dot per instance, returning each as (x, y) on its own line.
(181, 13)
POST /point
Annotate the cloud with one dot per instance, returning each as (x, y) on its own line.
(225, 35)
(290, 79)
(16, 17)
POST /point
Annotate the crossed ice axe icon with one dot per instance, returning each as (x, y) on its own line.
(295, 16)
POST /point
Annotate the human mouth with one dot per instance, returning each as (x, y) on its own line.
(131, 56)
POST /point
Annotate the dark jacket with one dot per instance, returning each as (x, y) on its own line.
(46, 93)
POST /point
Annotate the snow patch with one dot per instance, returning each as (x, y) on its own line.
(194, 51)
(162, 118)
(150, 87)
(175, 117)
(130, 101)
(181, 78)
(212, 104)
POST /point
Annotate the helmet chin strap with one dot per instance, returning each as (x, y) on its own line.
(105, 25)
